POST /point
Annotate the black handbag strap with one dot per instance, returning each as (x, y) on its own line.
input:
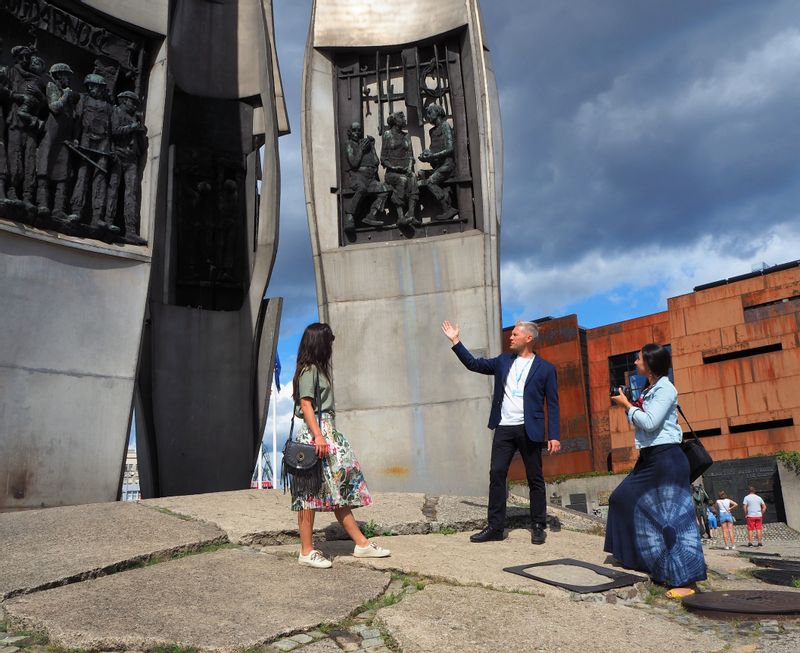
(691, 430)
(317, 405)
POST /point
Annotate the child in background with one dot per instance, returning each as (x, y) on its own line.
(712, 519)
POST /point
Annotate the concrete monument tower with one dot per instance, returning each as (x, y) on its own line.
(135, 248)
(402, 155)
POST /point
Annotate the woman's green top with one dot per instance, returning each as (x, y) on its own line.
(306, 382)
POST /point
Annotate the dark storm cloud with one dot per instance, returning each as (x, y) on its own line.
(629, 124)
(659, 129)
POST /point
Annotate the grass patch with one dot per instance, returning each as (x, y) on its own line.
(408, 581)
(184, 553)
(654, 593)
(171, 513)
(172, 648)
(381, 602)
(796, 583)
(372, 529)
(446, 530)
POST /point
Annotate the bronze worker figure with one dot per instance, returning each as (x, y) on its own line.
(397, 157)
(128, 136)
(440, 155)
(362, 178)
(52, 159)
(5, 97)
(27, 95)
(94, 125)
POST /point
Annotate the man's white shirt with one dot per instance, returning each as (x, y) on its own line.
(511, 412)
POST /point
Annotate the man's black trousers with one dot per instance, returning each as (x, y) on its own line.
(507, 441)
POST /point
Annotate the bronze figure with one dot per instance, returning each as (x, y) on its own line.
(397, 157)
(93, 114)
(53, 156)
(362, 175)
(441, 156)
(128, 137)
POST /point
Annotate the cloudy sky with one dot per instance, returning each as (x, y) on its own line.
(649, 147)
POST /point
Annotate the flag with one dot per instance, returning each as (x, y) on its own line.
(277, 371)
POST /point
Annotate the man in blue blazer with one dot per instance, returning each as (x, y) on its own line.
(523, 382)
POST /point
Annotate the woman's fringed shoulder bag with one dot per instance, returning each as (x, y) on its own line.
(301, 471)
(699, 459)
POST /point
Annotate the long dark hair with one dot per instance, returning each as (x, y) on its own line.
(315, 349)
(658, 360)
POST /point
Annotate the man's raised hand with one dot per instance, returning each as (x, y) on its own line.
(451, 331)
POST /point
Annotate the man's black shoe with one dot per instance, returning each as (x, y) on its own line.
(538, 536)
(487, 535)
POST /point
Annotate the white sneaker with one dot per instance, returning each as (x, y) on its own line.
(372, 550)
(727, 548)
(315, 559)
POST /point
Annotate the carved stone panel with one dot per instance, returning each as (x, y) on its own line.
(211, 140)
(72, 135)
(403, 131)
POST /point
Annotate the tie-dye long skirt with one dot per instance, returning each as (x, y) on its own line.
(652, 525)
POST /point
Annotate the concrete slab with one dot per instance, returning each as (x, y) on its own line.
(259, 517)
(449, 619)
(264, 517)
(225, 601)
(454, 558)
(45, 548)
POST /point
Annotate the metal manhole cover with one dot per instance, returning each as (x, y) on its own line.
(785, 577)
(736, 604)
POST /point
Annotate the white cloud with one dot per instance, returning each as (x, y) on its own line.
(674, 271)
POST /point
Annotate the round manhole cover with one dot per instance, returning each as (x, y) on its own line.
(785, 577)
(738, 604)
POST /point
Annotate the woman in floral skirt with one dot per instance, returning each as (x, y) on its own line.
(343, 484)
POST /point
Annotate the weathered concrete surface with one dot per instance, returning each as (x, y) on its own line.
(455, 619)
(265, 518)
(454, 558)
(790, 487)
(399, 416)
(42, 548)
(230, 600)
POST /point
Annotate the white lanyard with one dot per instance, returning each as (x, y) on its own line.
(523, 371)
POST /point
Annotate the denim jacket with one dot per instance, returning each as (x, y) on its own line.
(656, 422)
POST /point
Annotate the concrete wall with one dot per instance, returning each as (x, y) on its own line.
(790, 488)
(205, 377)
(70, 332)
(71, 325)
(596, 488)
(415, 417)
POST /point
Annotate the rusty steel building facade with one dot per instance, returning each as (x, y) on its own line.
(736, 365)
